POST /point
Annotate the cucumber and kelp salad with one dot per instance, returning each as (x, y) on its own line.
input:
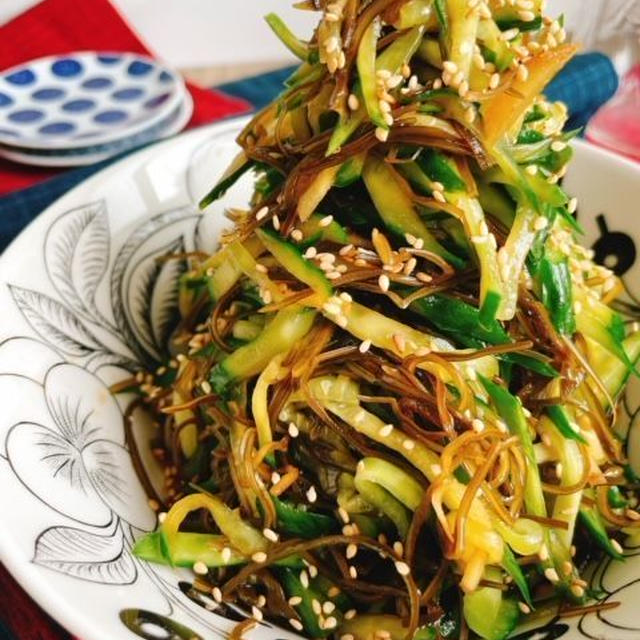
(389, 408)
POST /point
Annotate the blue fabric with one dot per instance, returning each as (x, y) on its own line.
(586, 83)
(258, 90)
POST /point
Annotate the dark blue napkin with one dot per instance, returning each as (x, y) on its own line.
(585, 84)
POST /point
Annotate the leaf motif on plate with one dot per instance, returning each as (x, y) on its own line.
(86, 555)
(77, 255)
(164, 297)
(54, 322)
(134, 274)
(152, 297)
(109, 468)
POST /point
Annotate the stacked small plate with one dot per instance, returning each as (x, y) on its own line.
(84, 107)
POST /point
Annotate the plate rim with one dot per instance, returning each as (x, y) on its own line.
(182, 116)
(180, 91)
(22, 570)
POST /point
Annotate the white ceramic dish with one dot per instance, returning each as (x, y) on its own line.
(83, 298)
(85, 98)
(79, 156)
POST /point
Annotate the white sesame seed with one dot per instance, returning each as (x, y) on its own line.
(261, 213)
(439, 196)
(524, 608)
(386, 430)
(304, 579)
(350, 614)
(527, 16)
(330, 623)
(402, 568)
(270, 534)
(331, 44)
(617, 546)
(275, 221)
(551, 575)
(540, 223)
(353, 102)
(470, 114)
(275, 477)
(259, 556)
(162, 516)
(522, 73)
(478, 425)
(577, 590)
(328, 607)
(365, 345)
(351, 552)
(311, 252)
(256, 613)
(344, 516)
(408, 444)
(382, 134)
(531, 169)
(384, 106)
(217, 594)
(316, 606)
(297, 235)
(450, 66)
(326, 221)
(384, 282)
(399, 341)
(558, 145)
(398, 548)
(353, 572)
(342, 321)
(509, 34)
(296, 624)
(312, 496)
(293, 430)
(200, 568)
(226, 555)
(543, 553)
(346, 297)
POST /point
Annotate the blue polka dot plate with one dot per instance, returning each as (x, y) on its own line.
(85, 99)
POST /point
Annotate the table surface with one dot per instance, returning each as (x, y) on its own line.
(219, 74)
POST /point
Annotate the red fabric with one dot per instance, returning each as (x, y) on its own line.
(21, 618)
(63, 26)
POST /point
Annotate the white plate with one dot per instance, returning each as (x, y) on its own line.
(75, 288)
(172, 124)
(85, 98)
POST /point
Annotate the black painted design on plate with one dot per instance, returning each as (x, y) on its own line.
(614, 249)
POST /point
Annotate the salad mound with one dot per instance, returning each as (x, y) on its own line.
(388, 408)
